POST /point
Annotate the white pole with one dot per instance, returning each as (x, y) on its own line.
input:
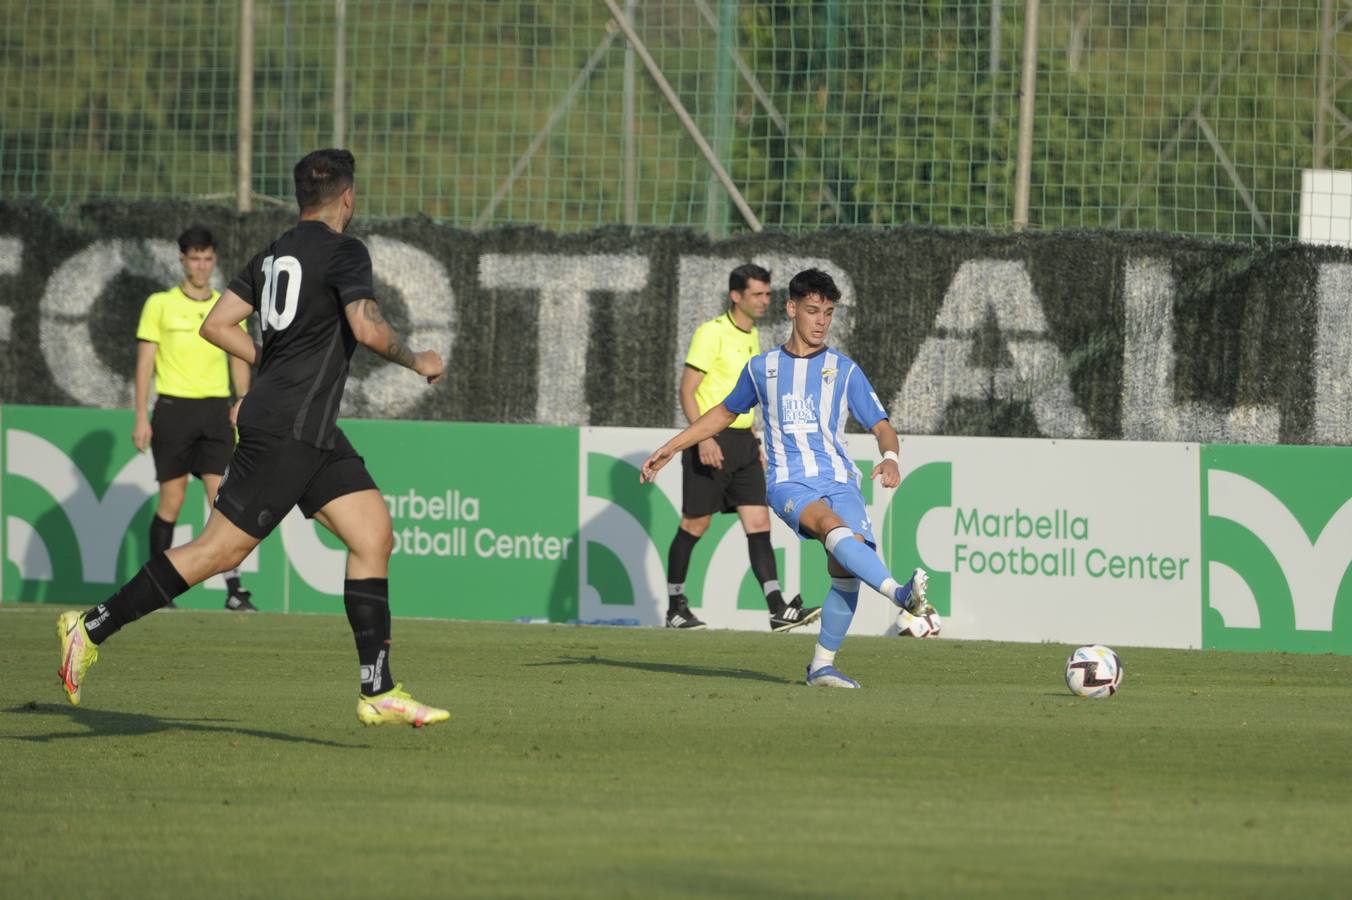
(244, 133)
(1027, 89)
(340, 73)
(630, 133)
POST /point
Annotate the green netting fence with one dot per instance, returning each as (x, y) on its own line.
(1194, 118)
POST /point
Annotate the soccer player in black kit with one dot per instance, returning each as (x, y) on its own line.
(313, 291)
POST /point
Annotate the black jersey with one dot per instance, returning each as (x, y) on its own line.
(300, 285)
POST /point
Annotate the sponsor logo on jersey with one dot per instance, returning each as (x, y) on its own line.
(798, 414)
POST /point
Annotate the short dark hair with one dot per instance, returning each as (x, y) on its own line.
(737, 281)
(196, 237)
(813, 281)
(322, 175)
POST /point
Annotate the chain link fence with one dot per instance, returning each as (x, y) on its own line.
(719, 115)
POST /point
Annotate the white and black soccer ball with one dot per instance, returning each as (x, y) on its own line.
(1093, 671)
(923, 626)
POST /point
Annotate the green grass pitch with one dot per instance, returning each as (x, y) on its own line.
(219, 755)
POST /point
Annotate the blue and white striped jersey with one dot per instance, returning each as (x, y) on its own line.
(804, 400)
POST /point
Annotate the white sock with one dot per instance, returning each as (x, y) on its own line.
(822, 657)
(889, 589)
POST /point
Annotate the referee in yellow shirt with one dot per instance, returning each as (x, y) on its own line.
(726, 473)
(193, 429)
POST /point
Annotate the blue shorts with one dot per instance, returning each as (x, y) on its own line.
(789, 498)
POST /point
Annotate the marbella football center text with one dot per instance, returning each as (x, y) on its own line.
(1064, 550)
(446, 524)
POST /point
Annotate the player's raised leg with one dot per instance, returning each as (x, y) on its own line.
(850, 550)
(863, 561)
(362, 522)
(220, 546)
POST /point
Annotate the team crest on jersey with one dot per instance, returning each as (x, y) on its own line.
(828, 376)
(798, 414)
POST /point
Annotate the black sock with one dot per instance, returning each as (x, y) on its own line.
(150, 589)
(678, 564)
(232, 582)
(161, 535)
(367, 601)
(764, 567)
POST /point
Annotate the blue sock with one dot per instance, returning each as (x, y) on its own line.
(838, 611)
(861, 559)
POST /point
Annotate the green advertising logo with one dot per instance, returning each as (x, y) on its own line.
(1277, 544)
(928, 487)
(77, 505)
(485, 518)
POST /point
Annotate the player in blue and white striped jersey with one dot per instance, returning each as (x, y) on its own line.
(806, 391)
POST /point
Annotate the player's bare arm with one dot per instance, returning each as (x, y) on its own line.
(141, 432)
(240, 375)
(887, 472)
(710, 454)
(372, 330)
(706, 426)
(222, 327)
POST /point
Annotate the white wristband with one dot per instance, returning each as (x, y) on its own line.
(890, 454)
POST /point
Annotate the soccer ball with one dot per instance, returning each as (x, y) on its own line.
(927, 626)
(1093, 671)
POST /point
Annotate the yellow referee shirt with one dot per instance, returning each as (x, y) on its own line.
(186, 364)
(721, 350)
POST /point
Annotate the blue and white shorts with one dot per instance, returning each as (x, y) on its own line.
(789, 498)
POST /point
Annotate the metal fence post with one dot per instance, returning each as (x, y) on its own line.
(630, 127)
(244, 128)
(1027, 92)
(340, 73)
(716, 202)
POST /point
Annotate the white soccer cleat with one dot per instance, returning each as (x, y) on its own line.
(911, 595)
(829, 676)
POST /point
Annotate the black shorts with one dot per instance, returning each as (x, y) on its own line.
(270, 473)
(191, 437)
(740, 482)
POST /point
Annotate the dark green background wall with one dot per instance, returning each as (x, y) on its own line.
(1244, 321)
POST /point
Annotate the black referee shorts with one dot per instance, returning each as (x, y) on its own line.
(741, 482)
(270, 473)
(191, 437)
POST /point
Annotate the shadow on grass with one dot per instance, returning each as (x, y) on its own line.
(101, 722)
(666, 668)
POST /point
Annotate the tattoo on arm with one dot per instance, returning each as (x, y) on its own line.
(394, 351)
(370, 311)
